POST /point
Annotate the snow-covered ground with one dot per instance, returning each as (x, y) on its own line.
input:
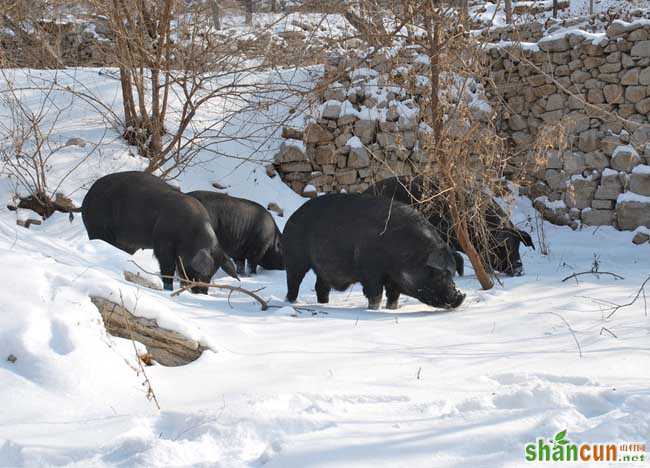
(334, 385)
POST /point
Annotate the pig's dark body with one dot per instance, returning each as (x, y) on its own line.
(246, 231)
(136, 210)
(347, 239)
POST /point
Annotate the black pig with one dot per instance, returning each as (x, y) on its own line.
(359, 238)
(135, 210)
(502, 249)
(245, 230)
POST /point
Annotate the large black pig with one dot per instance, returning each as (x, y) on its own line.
(359, 238)
(245, 230)
(502, 248)
(135, 210)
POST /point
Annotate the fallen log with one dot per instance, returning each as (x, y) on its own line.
(167, 347)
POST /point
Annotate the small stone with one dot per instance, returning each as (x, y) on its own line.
(80, 142)
(640, 238)
(291, 151)
(270, 171)
(11, 358)
(274, 207)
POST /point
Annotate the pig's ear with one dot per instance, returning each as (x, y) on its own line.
(202, 263)
(229, 267)
(440, 259)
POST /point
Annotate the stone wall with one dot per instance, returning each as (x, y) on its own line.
(593, 87)
(365, 126)
(597, 88)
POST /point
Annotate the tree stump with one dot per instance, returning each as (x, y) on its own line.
(167, 347)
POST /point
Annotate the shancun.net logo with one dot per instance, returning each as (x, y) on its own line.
(560, 449)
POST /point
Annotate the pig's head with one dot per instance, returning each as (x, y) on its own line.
(273, 259)
(202, 263)
(504, 250)
(432, 281)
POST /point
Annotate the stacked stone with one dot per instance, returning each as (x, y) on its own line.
(598, 87)
(362, 132)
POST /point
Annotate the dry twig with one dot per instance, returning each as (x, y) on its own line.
(188, 284)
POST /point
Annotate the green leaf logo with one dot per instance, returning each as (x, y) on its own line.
(559, 438)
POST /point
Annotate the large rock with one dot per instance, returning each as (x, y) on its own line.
(624, 158)
(632, 211)
(634, 94)
(641, 49)
(579, 193)
(613, 93)
(346, 176)
(593, 217)
(325, 154)
(640, 180)
(641, 135)
(588, 141)
(315, 133)
(644, 76)
(291, 151)
(630, 77)
(365, 130)
(358, 156)
(558, 43)
(331, 109)
(610, 185)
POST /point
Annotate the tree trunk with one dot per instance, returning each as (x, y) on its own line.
(216, 14)
(508, 7)
(554, 8)
(249, 12)
(447, 178)
(167, 347)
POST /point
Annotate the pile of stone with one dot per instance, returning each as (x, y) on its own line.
(597, 87)
(360, 131)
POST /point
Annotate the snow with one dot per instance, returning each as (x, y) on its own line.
(552, 205)
(641, 169)
(632, 197)
(316, 385)
(622, 150)
(354, 142)
(608, 171)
